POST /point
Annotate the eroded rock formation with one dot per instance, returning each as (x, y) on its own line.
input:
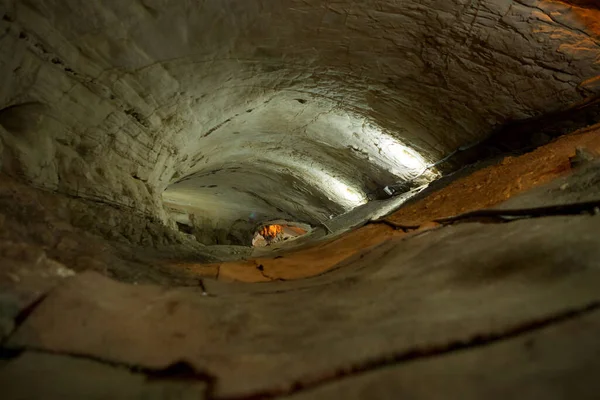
(144, 142)
(272, 110)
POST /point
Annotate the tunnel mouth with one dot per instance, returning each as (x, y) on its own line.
(278, 232)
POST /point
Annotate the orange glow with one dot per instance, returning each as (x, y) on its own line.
(585, 11)
(271, 231)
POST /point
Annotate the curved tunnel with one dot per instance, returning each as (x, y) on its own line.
(146, 94)
(121, 121)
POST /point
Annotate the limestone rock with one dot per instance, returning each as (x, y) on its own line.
(273, 110)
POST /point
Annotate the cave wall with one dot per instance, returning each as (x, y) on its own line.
(225, 112)
(114, 101)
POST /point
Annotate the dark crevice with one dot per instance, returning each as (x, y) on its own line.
(426, 352)
(522, 136)
(22, 316)
(183, 371)
(177, 371)
(7, 354)
(137, 178)
(499, 215)
(394, 225)
(27, 311)
(490, 215)
(211, 130)
(137, 117)
(203, 287)
(261, 269)
(185, 228)
(583, 3)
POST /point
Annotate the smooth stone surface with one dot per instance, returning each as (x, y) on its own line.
(257, 110)
(558, 362)
(446, 285)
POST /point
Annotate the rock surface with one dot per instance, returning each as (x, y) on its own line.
(128, 119)
(272, 110)
(450, 287)
(556, 362)
(510, 308)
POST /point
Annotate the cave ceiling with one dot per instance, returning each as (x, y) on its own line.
(253, 109)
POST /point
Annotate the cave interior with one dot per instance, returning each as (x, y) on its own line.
(304, 199)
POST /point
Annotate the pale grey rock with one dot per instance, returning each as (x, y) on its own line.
(280, 104)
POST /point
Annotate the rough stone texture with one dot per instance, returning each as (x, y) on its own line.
(495, 184)
(451, 285)
(415, 300)
(581, 186)
(489, 186)
(559, 362)
(45, 237)
(116, 100)
(231, 112)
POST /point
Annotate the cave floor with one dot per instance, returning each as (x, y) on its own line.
(483, 188)
(481, 306)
